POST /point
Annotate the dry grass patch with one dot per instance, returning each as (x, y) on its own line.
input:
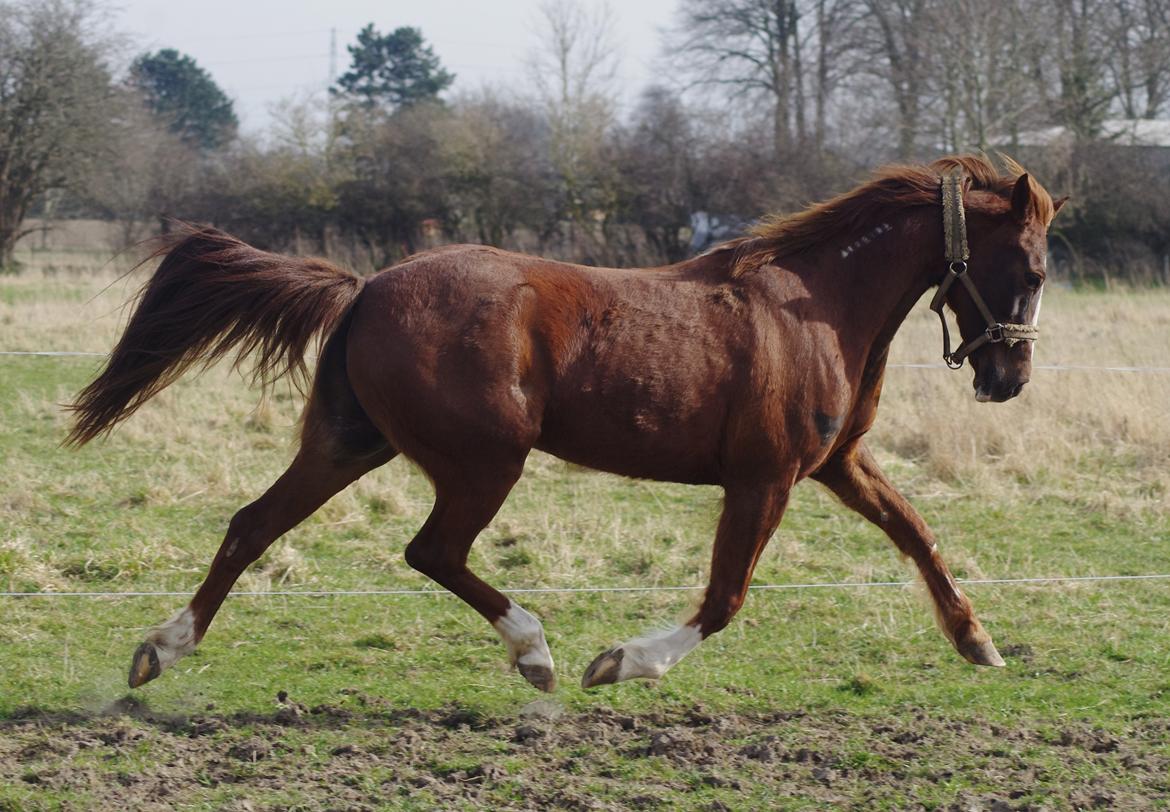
(1071, 431)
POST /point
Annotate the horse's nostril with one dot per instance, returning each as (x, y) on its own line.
(1016, 389)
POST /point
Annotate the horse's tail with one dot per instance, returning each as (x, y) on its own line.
(212, 294)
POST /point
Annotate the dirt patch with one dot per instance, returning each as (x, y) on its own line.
(361, 754)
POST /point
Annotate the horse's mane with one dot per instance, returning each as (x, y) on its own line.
(895, 186)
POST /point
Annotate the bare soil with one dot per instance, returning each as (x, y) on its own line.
(359, 754)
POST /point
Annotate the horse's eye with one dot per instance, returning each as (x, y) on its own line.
(1033, 280)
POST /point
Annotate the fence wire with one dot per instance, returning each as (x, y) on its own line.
(570, 590)
(931, 365)
(332, 593)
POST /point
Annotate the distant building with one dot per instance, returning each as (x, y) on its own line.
(1124, 225)
(1145, 133)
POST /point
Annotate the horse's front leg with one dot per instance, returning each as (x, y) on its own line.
(750, 516)
(854, 476)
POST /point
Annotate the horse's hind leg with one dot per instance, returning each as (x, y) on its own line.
(464, 504)
(751, 513)
(338, 445)
(307, 484)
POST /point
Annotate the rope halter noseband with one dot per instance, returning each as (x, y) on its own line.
(955, 240)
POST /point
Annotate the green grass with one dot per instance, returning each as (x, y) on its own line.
(843, 667)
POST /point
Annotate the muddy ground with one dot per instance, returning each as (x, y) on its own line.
(357, 754)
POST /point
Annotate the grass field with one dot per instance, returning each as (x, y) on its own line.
(846, 697)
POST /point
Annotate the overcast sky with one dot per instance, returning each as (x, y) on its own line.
(260, 51)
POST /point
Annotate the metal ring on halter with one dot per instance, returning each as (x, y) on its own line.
(958, 267)
(951, 364)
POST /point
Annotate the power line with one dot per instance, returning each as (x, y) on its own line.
(1050, 367)
(255, 36)
(254, 59)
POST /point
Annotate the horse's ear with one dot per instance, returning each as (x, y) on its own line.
(1022, 206)
(1056, 204)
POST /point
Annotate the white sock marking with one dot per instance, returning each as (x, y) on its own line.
(651, 655)
(173, 639)
(524, 636)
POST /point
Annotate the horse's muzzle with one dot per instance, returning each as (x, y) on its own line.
(997, 393)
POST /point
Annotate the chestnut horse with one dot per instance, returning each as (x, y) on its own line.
(752, 367)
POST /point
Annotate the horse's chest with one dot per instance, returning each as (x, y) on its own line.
(804, 403)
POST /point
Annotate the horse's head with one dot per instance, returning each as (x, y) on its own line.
(1007, 233)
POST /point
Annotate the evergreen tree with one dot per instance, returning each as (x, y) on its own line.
(392, 70)
(185, 95)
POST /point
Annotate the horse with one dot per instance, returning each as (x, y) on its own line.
(752, 366)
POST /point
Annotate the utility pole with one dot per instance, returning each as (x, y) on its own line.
(332, 56)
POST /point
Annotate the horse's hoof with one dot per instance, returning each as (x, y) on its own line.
(981, 652)
(604, 670)
(145, 666)
(540, 676)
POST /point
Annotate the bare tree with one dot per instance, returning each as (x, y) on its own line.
(837, 56)
(1139, 64)
(897, 40)
(390, 185)
(144, 174)
(980, 82)
(752, 48)
(1080, 97)
(54, 93)
(573, 69)
(657, 155)
(495, 153)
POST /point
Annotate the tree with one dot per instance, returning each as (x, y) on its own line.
(1140, 60)
(146, 171)
(781, 57)
(54, 93)
(980, 52)
(392, 181)
(495, 156)
(185, 96)
(899, 40)
(753, 48)
(573, 69)
(280, 192)
(657, 158)
(1082, 96)
(392, 70)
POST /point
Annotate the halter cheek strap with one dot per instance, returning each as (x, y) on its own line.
(957, 254)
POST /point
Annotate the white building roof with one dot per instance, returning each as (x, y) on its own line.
(1130, 132)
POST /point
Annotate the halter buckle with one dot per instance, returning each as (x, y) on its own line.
(994, 333)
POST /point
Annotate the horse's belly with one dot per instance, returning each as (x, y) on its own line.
(641, 464)
(639, 439)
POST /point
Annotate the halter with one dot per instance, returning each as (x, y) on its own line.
(955, 237)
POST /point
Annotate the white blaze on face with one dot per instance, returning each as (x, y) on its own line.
(524, 637)
(1036, 320)
(173, 639)
(652, 655)
(1039, 301)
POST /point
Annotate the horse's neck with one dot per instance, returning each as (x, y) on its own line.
(882, 272)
